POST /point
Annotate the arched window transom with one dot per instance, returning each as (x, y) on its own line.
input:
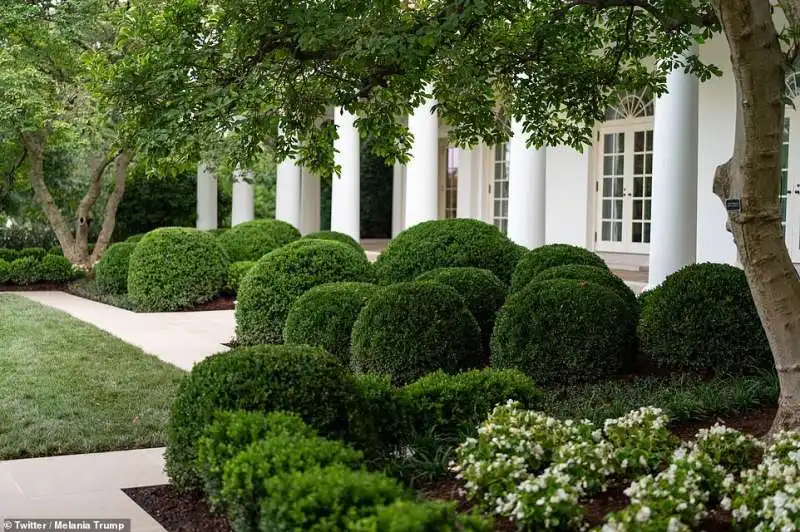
(631, 105)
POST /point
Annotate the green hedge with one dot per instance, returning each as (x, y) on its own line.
(268, 291)
(5, 271)
(236, 272)
(111, 272)
(252, 240)
(29, 270)
(36, 253)
(9, 255)
(409, 329)
(175, 267)
(563, 331)
(300, 379)
(377, 422)
(702, 319)
(56, 269)
(481, 290)
(336, 237)
(442, 243)
(538, 260)
(24, 271)
(324, 317)
(593, 274)
(422, 516)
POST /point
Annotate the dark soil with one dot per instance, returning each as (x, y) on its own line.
(179, 512)
(220, 303)
(35, 287)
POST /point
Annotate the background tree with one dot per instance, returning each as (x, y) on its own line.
(191, 69)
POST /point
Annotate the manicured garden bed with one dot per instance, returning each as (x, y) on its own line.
(68, 387)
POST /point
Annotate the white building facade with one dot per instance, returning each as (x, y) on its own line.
(640, 195)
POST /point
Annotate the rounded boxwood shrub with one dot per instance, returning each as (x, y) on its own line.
(254, 239)
(5, 271)
(563, 331)
(441, 243)
(236, 272)
(270, 288)
(9, 255)
(111, 272)
(24, 271)
(592, 274)
(335, 236)
(413, 516)
(175, 267)
(376, 421)
(481, 290)
(56, 269)
(36, 253)
(324, 316)
(409, 329)
(300, 379)
(55, 250)
(135, 238)
(543, 258)
(702, 318)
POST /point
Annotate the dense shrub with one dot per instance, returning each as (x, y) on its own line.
(111, 272)
(55, 250)
(451, 406)
(563, 331)
(442, 243)
(300, 379)
(702, 318)
(175, 267)
(36, 253)
(233, 432)
(593, 274)
(5, 271)
(543, 258)
(377, 424)
(135, 238)
(411, 516)
(324, 316)
(267, 292)
(9, 255)
(236, 272)
(252, 240)
(335, 236)
(56, 269)
(481, 290)
(246, 477)
(409, 329)
(29, 235)
(25, 271)
(330, 498)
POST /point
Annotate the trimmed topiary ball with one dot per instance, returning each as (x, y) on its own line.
(56, 269)
(270, 288)
(482, 291)
(324, 317)
(25, 270)
(111, 273)
(543, 258)
(236, 272)
(442, 243)
(563, 331)
(175, 267)
(252, 240)
(702, 319)
(409, 329)
(135, 238)
(300, 379)
(592, 274)
(336, 237)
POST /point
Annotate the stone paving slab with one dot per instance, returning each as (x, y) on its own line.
(180, 338)
(85, 486)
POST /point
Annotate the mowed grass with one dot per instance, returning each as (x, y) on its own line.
(68, 387)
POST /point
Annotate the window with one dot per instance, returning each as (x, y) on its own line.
(500, 189)
(451, 184)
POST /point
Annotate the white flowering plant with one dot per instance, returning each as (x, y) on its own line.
(642, 440)
(728, 448)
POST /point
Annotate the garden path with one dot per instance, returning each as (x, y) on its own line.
(180, 338)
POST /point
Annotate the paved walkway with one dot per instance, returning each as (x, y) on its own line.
(81, 486)
(180, 338)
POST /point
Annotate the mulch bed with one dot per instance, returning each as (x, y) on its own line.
(35, 287)
(179, 512)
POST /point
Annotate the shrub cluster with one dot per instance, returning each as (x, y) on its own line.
(249, 241)
(324, 316)
(407, 330)
(593, 274)
(175, 267)
(335, 236)
(538, 260)
(236, 272)
(31, 269)
(270, 288)
(111, 272)
(442, 243)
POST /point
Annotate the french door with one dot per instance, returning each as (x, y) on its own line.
(498, 190)
(448, 181)
(624, 187)
(790, 183)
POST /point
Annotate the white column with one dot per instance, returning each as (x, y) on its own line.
(422, 171)
(466, 183)
(287, 192)
(206, 198)
(673, 232)
(243, 197)
(398, 198)
(346, 188)
(309, 204)
(526, 190)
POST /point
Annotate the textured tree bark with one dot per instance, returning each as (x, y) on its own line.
(123, 161)
(99, 162)
(752, 175)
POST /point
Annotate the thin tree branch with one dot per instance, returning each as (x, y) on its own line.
(123, 161)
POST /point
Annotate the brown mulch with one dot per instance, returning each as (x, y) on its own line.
(179, 512)
(220, 303)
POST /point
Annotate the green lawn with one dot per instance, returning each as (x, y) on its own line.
(68, 387)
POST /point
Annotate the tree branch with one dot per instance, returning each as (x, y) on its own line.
(99, 166)
(123, 161)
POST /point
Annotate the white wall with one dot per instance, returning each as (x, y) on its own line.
(567, 196)
(716, 123)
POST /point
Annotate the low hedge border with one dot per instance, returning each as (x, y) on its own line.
(29, 270)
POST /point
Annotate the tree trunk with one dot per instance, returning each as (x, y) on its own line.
(114, 199)
(752, 176)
